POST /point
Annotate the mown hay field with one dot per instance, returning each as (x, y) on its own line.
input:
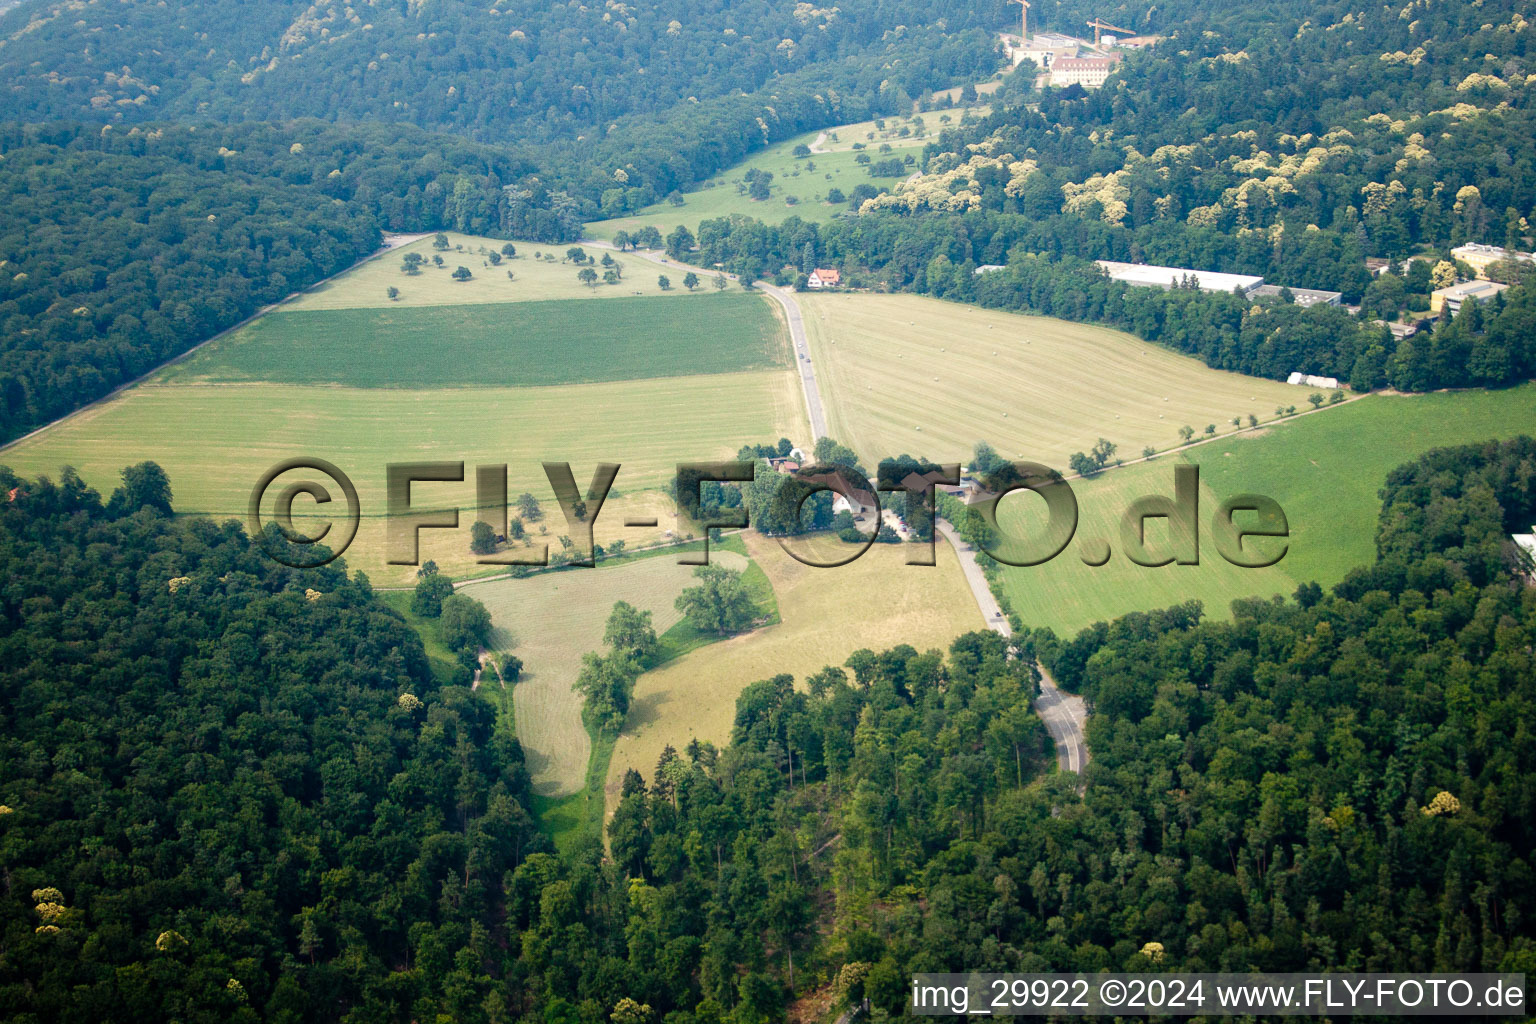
(903, 373)
(215, 441)
(825, 615)
(550, 620)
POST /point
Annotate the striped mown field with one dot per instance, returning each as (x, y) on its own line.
(903, 373)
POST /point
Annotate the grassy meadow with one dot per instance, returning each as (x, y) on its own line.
(904, 373)
(824, 616)
(805, 180)
(495, 344)
(534, 278)
(550, 620)
(1325, 470)
(552, 373)
(215, 441)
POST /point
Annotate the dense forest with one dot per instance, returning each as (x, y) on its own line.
(235, 791)
(232, 790)
(491, 70)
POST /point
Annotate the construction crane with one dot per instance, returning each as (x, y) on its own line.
(1099, 25)
(1023, 19)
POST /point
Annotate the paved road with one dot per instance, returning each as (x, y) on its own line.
(1063, 713)
(800, 350)
(802, 354)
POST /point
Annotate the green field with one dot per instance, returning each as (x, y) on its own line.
(806, 181)
(216, 440)
(903, 373)
(515, 344)
(549, 621)
(534, 278)
(1325, 470)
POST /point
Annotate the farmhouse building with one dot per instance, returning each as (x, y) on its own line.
(820, 279)
(1149, 276)
(1468, 291)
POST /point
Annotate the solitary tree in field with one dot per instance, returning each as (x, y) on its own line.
(1186, 432)
(576, 254)
(1102, 452)
(607, 260)
(664, 282)
(610, 276)
(629, 632)
(1336, 398)
(1148, 452)
(462, 274)
(1237, 421)
(392, 292)
(439, 241)
(1253, 420)
(1210, 429)
(621, 239)
(509, 250)
(437, 260)
(495, 258)
(528, 507)
(482, 539)
(411, 263)
(648, 237)
(690, 280)
(1316, 400)
(587, 276)
(720, 282)
(719, 604)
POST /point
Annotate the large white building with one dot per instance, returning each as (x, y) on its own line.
(1300, 296)
(1088, 72)
(1149, 276)
(1468, 291)
(1043, 48)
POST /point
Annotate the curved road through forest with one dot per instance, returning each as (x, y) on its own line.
(1064, 714)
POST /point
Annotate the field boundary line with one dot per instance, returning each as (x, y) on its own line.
(391, 243)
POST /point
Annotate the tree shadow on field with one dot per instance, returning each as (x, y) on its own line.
(644, 711)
